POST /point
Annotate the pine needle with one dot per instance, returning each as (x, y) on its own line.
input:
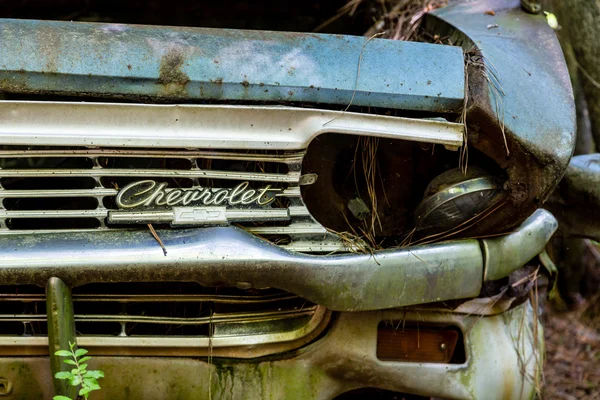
(157, 238)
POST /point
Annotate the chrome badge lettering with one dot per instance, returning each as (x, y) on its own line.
(149, 193)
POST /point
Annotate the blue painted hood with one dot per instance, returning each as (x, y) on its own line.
(170, 64)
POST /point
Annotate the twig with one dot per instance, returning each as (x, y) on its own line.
(160, 242)
(588, 76)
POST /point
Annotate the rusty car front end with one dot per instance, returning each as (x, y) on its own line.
(237, 214)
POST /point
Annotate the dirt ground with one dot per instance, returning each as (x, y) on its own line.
(572, 369)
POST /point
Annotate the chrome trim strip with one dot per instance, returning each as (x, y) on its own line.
(202, 126)
(8, 232)
(153, 298)
(221, 216)
(290, 192)
(315, 246)
(319, 314)
(34, 193)
(290, 177)
(185, 154)
(295, 228)
(97, 213)
(214, 319)
(136, 217)
(299, 211)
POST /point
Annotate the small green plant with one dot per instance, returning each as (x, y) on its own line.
(78, 376)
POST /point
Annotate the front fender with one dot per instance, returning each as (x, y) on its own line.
(521, 97)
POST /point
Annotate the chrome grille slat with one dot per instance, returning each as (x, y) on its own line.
(98, 213)
(293, 191)
(139, 298)
(294, 228)
(313, 246)
(291, 157)
(5, 231)
(232, 214)
(299, 211)
(291, 177)
(7, 194)
(214, 319)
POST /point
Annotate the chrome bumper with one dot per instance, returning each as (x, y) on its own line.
(233, 257)
(502, 362)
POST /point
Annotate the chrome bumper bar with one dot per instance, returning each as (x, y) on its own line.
(230, 256)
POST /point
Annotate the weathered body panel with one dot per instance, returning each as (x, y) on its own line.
(343, 360)
(191, 64)
(519, 94)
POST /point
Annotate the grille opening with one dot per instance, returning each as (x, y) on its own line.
(281, 202)
(242, 165)
(280, 240)
(94, 328)
(28, 224)
(118, 182)
(47, 163)
(231, 183)
(51, 203)
(157, 309)
(35, 328)
(110, 203)
(97, 307)
(144, 163)
(12, 328)
(47, 183)
(181, 309)
(141, 329)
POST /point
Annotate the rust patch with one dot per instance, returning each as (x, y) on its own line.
(171, 77)
(48, 45)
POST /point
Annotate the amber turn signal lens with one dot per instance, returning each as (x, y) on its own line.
(416, 345)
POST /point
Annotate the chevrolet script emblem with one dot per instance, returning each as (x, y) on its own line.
(151, 202)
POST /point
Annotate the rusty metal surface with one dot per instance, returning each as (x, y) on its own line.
(505, 254)
(503, 361)
(518, 81)
(229, 255)
(173, 64)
